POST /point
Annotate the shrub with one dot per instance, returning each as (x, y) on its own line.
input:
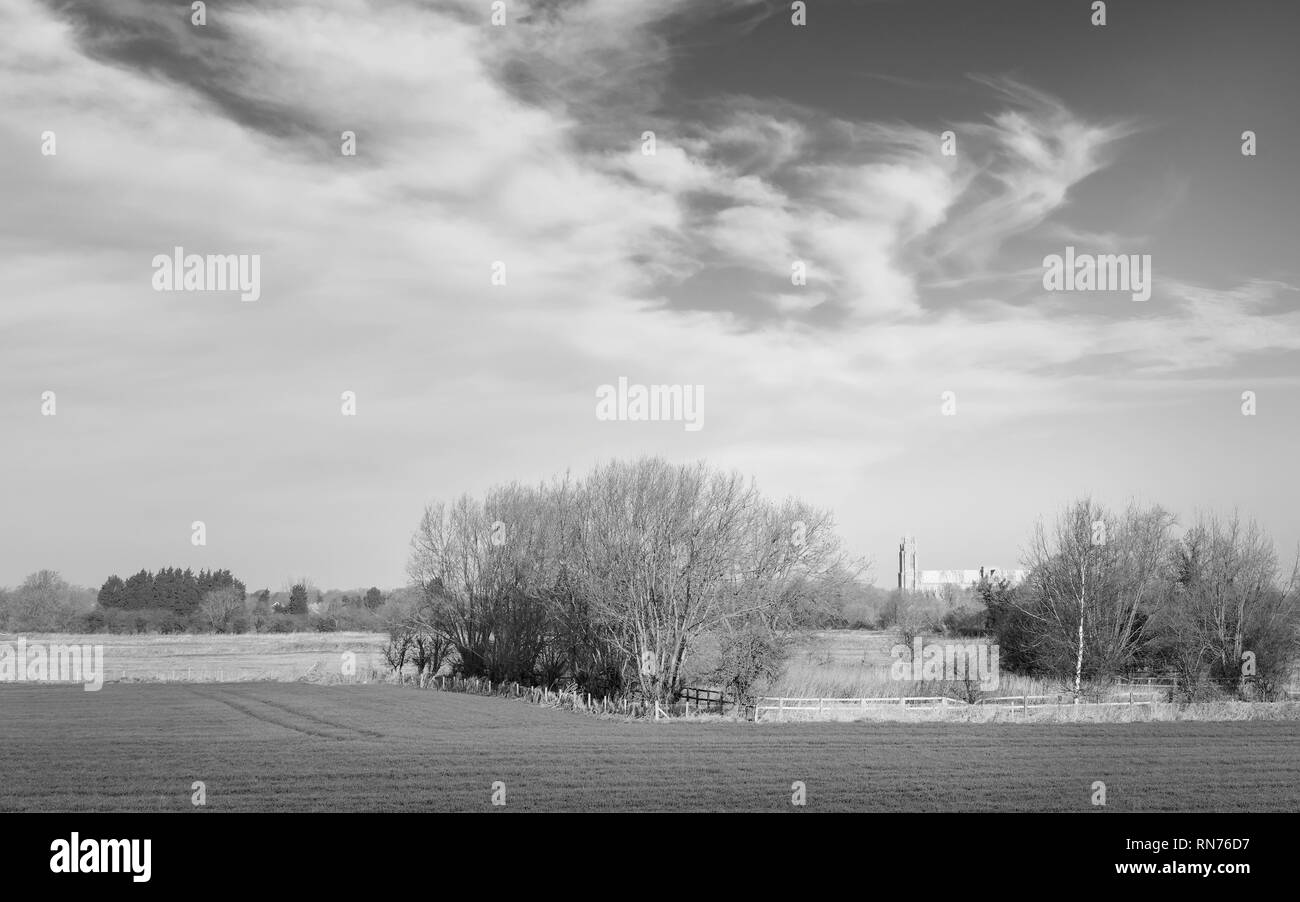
(966, 620)
(170, 623)
(93, 622)
(282, 624)
(746, 658)
(358, 619)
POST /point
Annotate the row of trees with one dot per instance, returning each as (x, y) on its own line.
(629, 578)
(173, 600)
(170, 589)
(44, 603)
(1110, 593)
(612, 580)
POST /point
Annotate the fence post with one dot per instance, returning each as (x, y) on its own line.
(1026, 702)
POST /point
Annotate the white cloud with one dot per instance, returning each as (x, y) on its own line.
(520, 145)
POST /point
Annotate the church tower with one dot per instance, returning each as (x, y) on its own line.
(907, 572)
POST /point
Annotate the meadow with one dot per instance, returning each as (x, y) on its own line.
(831, 663)
(856, 664)
(267, 746)
(224, 658)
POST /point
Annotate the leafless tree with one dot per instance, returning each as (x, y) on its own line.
(484, 569)
(44, 602)
(1225, 600)
(792, 566)
(397, 649)
(1094, 581)
(220, 607)
(611, 579)
(658, 545)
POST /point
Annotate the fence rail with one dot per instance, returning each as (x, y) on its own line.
(706, 700)
(1025, 703)
(694, 701)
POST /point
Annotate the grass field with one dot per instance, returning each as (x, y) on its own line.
(856, 664)
(214, 658)
(302, 747)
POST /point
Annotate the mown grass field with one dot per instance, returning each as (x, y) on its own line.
(301, 747)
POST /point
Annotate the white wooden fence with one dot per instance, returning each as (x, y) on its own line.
(837, 708)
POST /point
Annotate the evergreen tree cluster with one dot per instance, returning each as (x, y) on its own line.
(170, 589)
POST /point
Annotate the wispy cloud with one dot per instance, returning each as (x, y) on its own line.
(522, 145)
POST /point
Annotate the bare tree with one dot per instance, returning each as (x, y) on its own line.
(1224, 600)
(612, 579)
(1094, 581)
(397, 649)
(484, 569)
(792, 567)
(415, 633)
(748, 656)
(658, 545)
(913, 616)
(220, 607)
(45, 602)
(428, 649)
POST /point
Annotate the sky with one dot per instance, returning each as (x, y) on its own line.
(524, 144)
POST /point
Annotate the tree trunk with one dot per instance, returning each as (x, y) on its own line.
(1078, 660)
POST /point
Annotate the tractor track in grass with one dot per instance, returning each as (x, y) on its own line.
(303, 747)
(338, 732)
(368, 734)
